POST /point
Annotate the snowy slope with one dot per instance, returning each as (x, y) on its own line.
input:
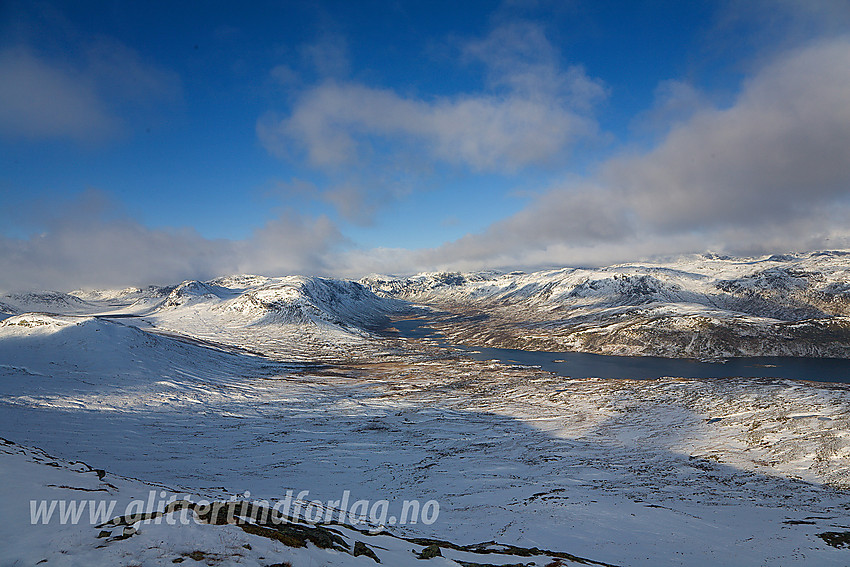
(669, 472)
(321, 301)
(127, 300)
(111, 530)
(85, 362)
(248, 299)
(702, 307)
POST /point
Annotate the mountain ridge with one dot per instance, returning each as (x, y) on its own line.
(705, 306)
(701, 306)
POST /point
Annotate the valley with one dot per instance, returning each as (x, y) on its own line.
(247, 388)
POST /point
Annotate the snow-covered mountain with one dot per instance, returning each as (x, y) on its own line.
(708, 307)
(301, 316)
(259, 300)
(292, 317)
(702, 306)
(47, 301)
(297, 299)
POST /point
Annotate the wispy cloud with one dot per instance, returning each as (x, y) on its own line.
(353, 199)
(520, 61)
(534, 111)
(42, 100)
(89, 98)
(530, 111)
(328, 56)
(336, 124)
(769, 26)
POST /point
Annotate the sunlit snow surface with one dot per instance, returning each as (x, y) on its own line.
(282, 389)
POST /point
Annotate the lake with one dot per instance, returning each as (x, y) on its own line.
(586, 365)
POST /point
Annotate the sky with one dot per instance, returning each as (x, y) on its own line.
(152, 142)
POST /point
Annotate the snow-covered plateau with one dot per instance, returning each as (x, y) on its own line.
(257, 391)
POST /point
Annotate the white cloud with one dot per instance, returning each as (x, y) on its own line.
(287, 245)
(532, 112)
(375, 145)
(770, 172)
(675, 102)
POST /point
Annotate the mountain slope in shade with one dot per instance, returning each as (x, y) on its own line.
(60, 360)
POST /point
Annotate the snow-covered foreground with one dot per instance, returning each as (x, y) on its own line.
(71, 514)
(664, 472)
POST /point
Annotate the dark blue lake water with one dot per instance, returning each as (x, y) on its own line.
(584, 365)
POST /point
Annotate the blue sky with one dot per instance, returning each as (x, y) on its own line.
(149, 142)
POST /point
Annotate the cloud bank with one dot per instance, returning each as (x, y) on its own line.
(91, 244)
